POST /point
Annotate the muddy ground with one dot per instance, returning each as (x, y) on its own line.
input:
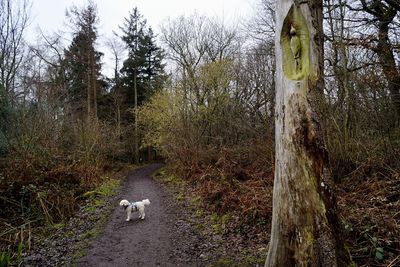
(161, 239)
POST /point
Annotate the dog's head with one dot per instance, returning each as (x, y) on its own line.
(124, 203)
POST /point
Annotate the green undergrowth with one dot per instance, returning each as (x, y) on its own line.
(245, 262)
(166, 176)
(96, 199)
(8, 258)
(173, 181)
(220, 222)
(222, 262)
(43, 209)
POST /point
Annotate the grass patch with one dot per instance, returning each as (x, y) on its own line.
(93, 233)
(166, 176)
(97, 199)
(196, 200)
(108, 188)
(80, 248)
(12, 256)
(220, 222)
(254, 261)
(59, 225)
(199, 213)
(180, 197)
(93, 206)
(249, 261)
(5, 259)
(222, 262)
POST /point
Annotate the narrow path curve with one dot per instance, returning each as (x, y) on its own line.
(161, 239)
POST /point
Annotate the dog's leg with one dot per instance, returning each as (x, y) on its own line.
(141, 213)
(129, 216)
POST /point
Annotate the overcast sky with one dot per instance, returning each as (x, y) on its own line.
(49, 15)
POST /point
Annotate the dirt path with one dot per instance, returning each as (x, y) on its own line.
(162, 239)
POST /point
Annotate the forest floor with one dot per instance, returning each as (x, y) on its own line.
(179, 229)
(167, 236)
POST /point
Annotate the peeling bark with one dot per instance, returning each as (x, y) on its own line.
(305, 227)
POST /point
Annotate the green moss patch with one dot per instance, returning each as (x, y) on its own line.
(295, 22)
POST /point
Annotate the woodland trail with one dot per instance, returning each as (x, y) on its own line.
(161, 239)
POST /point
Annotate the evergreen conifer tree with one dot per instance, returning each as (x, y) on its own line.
(144, 63)
(142, 71)
(82, 64)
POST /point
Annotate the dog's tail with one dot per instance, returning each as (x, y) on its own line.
(146, 202)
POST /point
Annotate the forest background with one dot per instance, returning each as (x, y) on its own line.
(200, 95)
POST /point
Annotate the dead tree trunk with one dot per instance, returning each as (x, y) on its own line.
(305, 227)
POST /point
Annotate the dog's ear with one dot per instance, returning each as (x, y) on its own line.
(123, 202)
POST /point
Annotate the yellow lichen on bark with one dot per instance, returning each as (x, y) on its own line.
(295, 43)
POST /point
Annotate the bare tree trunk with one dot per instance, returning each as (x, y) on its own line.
(117, 50)
(88, 101)
(340, 67)
(384, 13)
(384, 51)
(305, 228)
(118, 120)
(94, 84)
(136, 159)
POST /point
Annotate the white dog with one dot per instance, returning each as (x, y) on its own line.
(131, 207)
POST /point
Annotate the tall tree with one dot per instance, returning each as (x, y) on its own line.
(142, 71)
(117, 49)
(83, 63)
(4, 118)
(144, 63)
(305, 226)
(153, 74)
(384, 13)
(14, 19)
